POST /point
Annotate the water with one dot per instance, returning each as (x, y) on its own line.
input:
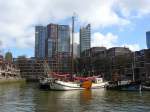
(28, 98)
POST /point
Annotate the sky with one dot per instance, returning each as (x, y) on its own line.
(114, 23)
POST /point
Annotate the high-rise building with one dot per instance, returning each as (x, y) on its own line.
(58, 46)
(52, 40)
(53, 43)
(58, 39)
(148, 39)
(85, 38)
(63, 38)
(40, 40)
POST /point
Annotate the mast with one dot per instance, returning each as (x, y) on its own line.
(57, 52)
(133, 66)
(72, 66)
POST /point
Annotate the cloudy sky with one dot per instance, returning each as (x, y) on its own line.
(114, 22)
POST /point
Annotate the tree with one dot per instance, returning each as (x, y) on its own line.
(8, 56)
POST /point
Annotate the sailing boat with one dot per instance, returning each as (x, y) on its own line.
(54, 83)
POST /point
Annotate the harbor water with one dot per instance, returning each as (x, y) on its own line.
(26, 97)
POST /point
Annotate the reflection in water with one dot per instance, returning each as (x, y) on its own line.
(86, 96)
(28, 98)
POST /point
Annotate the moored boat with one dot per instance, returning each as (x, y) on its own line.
(58, 81)
(62, 82)
(125, 86)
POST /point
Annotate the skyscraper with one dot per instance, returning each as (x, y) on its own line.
(85, 38)
(58, 39)
(40, 40)
(52, 40)
(63, 38)
(58, 47)
(148, 39)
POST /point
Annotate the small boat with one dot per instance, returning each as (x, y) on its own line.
(124, 86)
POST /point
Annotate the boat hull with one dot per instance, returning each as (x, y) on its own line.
(145, 88)
(64, 86)
(126, 87)
(52, 84)
(131, 88)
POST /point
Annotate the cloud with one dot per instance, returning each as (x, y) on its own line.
(108, 40)
(18, 17)
(132, 47)
(134, 8)
(102, 14)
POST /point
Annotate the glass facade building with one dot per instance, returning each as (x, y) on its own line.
(40, 41)
(58, 39)
(85, 38)
(52, 38)
(148, 39)
(63, 38)
(49, 47)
